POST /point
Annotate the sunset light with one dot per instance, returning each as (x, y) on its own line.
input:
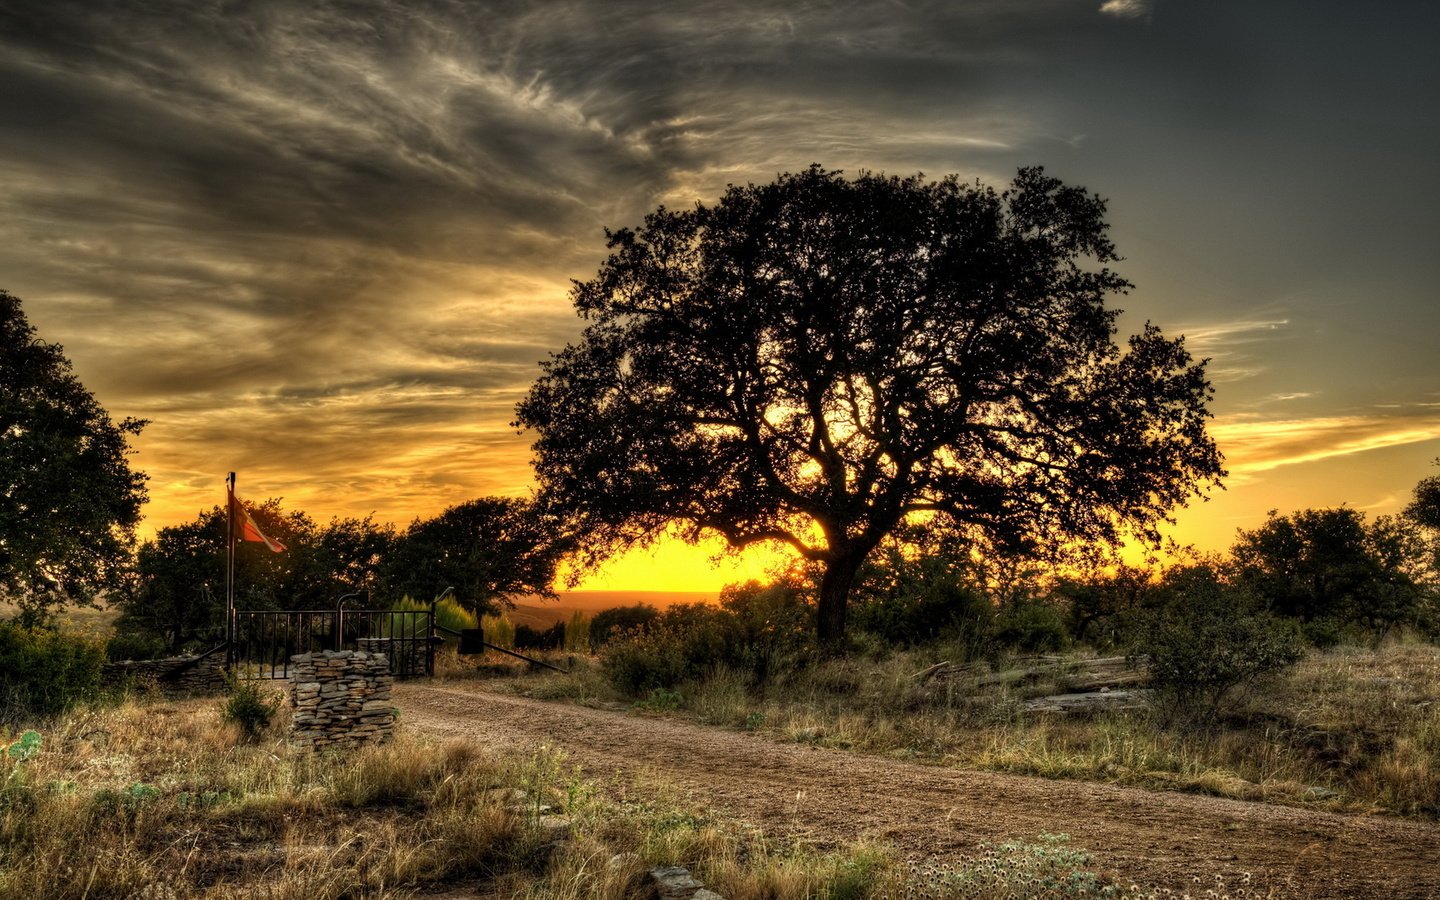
(333, 265)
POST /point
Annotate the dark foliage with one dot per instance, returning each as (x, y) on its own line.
(44, 672)
(814, 360)
(1424, 507)
(1333, 566)
(752, 631)
(916, 592)
(1209, 640)
(179, 589)
(609, 624)
(1105, 607)
(529, 638)
(490, 550)
(69, 501)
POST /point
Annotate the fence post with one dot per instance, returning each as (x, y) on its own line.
(430, 641)
(339, 624)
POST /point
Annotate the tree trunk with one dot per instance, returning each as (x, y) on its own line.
(835, 587)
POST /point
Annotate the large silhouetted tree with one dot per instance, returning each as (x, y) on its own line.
(814, 360)
(69, 501)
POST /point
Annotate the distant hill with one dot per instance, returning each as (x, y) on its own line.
(540, 613)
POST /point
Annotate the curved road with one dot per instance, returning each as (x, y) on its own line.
(1151, 838)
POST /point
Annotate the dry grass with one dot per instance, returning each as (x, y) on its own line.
(1350, 728)
(163, 800)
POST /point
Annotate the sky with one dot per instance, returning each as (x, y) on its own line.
(325, 243)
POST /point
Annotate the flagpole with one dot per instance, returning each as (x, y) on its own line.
(230, 570)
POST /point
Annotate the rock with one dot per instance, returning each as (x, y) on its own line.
(506, 796)
(673, 883)
(554, 828)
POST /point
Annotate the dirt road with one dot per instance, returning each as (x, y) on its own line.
(1154, 838)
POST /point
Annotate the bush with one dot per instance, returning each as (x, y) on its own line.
(771, 623)
(687, 643)
(448, 614)
(612, 623)
(756, 629)
(44, 672)
(1210, 641)
(1032, 625)
(528, 638)
(135, 645)
(577, 633)
(499, 630)
(943, 612)
(250, 707)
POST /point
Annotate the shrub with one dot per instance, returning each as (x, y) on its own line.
(499, 630)
(687, 643)
(134, 645)
(612, 623)
(771, 623)
(1032, 625)
(577, 633)
(1210, 641)
(448, 614)
(250, 707)
(45, 672)
(528, 638)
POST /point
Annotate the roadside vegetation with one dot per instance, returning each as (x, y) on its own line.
(165, 799)
(1300, 668)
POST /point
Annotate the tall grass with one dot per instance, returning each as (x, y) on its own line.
(168, 801)
(1348, 728)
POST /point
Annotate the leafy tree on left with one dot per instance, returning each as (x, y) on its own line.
(69, 501)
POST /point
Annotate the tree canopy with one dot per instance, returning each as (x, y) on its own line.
(490, 550)
(69, 501)
(1334, 564)
(178, 591)
(817, 359)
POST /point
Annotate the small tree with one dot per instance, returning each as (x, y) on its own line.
(69, 501)
(815, 360)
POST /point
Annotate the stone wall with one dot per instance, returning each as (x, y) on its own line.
(175, 675)
(340, 698)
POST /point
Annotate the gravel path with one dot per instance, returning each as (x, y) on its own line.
(1156, 838)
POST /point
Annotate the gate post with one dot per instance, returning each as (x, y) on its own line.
(430, 642)
(339, 624)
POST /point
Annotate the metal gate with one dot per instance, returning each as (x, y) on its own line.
(262, 641)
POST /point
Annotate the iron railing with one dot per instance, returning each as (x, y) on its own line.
(262, 641)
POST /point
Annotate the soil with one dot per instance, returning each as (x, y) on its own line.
(926, 811)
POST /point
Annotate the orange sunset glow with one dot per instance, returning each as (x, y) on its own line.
(330, 257)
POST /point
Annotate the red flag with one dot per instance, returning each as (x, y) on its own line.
(246, 529)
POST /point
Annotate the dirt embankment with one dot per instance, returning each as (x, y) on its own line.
(1152, 838)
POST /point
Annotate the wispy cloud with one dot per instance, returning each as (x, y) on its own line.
(1126, 9)
(1254, 447)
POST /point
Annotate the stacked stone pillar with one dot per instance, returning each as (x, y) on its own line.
(341, 699)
